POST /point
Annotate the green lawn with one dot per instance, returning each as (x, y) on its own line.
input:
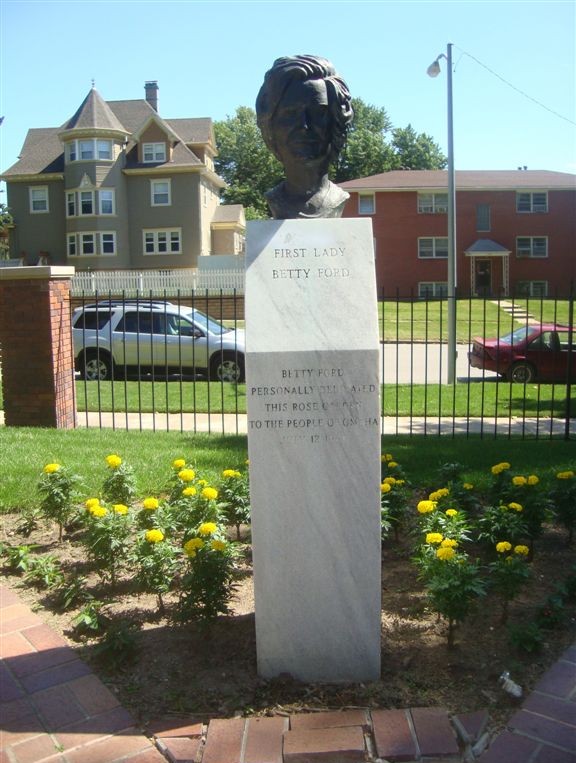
(24, 452)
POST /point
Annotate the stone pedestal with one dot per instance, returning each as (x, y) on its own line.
(37, 351)
(314, 446)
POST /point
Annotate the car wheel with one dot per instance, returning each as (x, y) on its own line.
(96, 366)
(522, 373)
(228, 367)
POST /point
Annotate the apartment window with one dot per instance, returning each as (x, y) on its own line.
(163, 241)
(71, 245)
(86, 202)
(532, 202)
(87, 243)
(366, 204)
(154, 152)
(532, 246)
(482, 217)
(108, 243)
(432, 248)
(70, 204)
(39, 199)
(106, 201)
(432, 289)
(435, 203)
(532, 288)
(160, 190)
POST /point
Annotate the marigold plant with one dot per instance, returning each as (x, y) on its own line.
(57, 486)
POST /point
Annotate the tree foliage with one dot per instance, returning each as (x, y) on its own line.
(6, 220)
(373, 146)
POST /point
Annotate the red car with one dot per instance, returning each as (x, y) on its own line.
(541, 352)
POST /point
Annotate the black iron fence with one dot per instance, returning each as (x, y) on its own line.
(177, 363)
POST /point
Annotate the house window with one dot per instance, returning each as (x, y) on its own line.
(163, 241)
(160, 191)
(432, 248)
(532, 202)
(104, 148)
(86, 202)
(532, 246)
(106, 200)
(435, 203)
(108, 243)
(482, 217)
(366, 204)
(154, 152)
(431, 289)
(71, 245)
(87, 243)
(70, 204)
(39, 199)
(71, 151)
(86, 149)
(532, 288)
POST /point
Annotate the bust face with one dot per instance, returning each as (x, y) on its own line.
(301, 125)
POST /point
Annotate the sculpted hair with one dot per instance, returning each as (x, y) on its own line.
(288, 69)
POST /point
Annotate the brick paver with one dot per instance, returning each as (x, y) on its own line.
(55, 710)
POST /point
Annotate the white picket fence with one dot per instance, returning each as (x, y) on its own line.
(157, 282)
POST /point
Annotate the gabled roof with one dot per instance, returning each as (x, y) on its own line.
(94, 114)
(182, 156)
(41, 155)
(196, 131)
(415, 180)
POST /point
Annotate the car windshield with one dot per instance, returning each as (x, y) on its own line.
(519, 335)
(208, 324)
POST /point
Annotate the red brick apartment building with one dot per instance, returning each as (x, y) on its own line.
(515, 231)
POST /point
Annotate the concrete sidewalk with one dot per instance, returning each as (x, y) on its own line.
(53, 709)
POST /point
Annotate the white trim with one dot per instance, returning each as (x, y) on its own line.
(363, 207)
(44, 198)
(155, 182)
(157, 237)
(153, 149)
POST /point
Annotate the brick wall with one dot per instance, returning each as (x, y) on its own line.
(36, 342)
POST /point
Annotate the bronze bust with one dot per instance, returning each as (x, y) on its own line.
(303, 111)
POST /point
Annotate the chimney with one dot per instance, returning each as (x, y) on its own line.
(151, 89)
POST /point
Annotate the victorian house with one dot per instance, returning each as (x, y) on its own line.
(119, 187)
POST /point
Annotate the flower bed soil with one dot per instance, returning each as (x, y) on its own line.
(182, 670)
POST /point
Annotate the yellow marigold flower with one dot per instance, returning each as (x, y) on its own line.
(179, 463)
(390, 480)
(120, 508)
(533, 479)
(449, 543)
(468, 486)
(445, 553)
(191, 547)
(98, 511)
(501, 467)
(231, 474)
(451, 512)
(397, 482)
(434, 538)
(437, 494)
(387, 457)
(202, 483)
(392, 464)
(150, 503)
(521, 550)
(154, 536)
(515, 506)
(567, 475)
(385, 487)
(210, 493)
(425, 507)
(207, 528)
(91, 502)
(113, 461)
(51, 468)
(218, 545)
(503, 547)
(519, 480)
(188, 491)
(186, 475)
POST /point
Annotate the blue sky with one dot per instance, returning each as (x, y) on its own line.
(210, 57)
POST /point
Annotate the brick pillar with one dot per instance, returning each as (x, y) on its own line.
(36, 346)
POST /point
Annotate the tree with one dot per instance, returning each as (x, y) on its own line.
(373, 146)
(245, 162)
(6, 221)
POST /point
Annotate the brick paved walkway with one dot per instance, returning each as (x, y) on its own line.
(54, 709)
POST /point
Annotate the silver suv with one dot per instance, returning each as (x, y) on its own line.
(113, 338)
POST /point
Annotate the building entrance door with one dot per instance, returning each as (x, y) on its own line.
(483, 278)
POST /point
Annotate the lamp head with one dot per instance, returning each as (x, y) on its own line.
(434, 69)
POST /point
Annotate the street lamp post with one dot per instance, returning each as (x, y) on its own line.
(433, 71)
